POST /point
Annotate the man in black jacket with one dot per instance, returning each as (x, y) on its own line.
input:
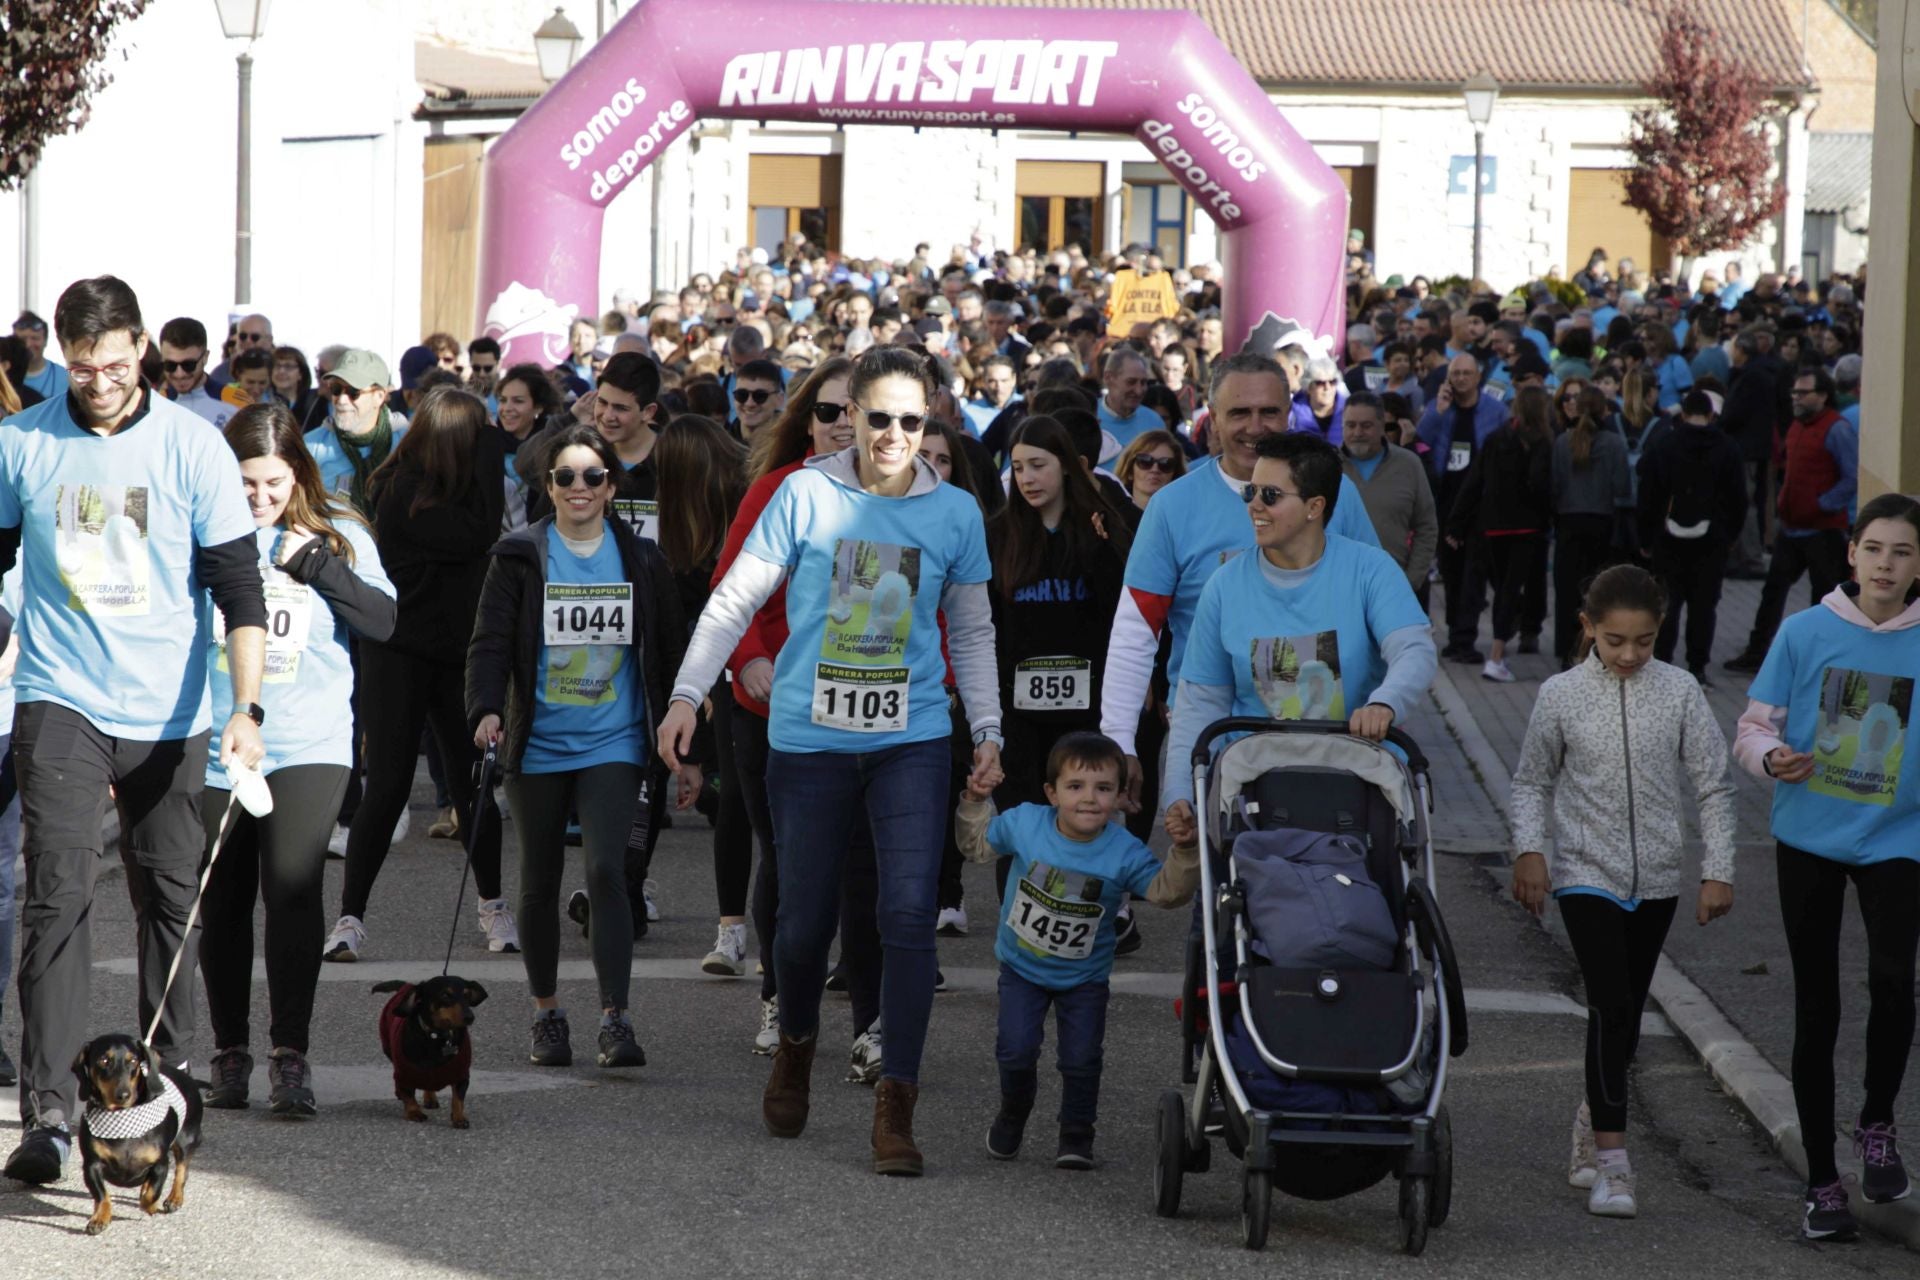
(1693, 499)
(1750, 418)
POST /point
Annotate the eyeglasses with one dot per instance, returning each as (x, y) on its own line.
(1148, 462)
(244, 336)
(334, 388)
(1325, 382)
(879, 421)
(1269, 494)
(81, 375)
(182, 366)
(826, 412)
(741, 395)
(565, 476)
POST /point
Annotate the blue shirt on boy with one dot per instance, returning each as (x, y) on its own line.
(587, 705)
(1068, 891)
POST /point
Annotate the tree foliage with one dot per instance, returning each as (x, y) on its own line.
(52, 55)
(1701, 155)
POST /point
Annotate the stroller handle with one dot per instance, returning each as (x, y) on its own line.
(1416, 759)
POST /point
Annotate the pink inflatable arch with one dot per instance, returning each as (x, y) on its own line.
(1161, 76)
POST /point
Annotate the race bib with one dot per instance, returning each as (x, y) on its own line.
(1376, 378)
(860, 699)
(1460, 457)
(599, 613)
(641, 514)
(1053, 684)
(1060, 927)
(289, 617)
(1498, 390)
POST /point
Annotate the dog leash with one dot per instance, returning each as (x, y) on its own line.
(482, 792)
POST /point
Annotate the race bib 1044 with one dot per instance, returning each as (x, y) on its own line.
(1061, 927)
(860, 699)
(588, 613)
(1061, 683)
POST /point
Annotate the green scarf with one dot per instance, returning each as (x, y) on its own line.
(365, 453)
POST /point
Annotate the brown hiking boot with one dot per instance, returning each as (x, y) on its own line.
(893, 1149)
(784, 1105)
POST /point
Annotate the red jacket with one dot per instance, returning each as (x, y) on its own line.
(410, 1075)
(1809, 471)
(768, 630)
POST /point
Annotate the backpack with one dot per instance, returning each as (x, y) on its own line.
(1311, 903)
(1692, 483)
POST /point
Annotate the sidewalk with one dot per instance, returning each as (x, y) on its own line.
(1727, 988)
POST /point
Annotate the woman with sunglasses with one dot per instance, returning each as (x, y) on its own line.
(1151, 461)
(578, 625)
(323, 582)
(1566, 405)
(872, 546)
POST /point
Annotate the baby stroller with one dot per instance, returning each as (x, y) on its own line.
(1351, 1061)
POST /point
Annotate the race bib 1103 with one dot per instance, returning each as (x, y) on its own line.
(860, 699)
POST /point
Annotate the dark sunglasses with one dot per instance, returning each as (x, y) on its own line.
(909, 422)
(826, 412)
(182, 366)
(741, 395)
(484, 368)
(565, 476)
(1269, 494)
(334, 388)
(1150, 463)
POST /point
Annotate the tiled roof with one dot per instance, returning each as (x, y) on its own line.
(448, 75)
(1543, 44)
(1839, 171)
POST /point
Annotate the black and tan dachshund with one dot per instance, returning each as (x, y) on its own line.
(140, 1122)
(423, 1032)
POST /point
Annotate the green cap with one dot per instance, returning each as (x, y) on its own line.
(361, 369)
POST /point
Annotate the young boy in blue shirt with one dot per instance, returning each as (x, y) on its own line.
(1072, 864)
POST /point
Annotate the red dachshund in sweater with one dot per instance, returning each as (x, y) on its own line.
(423, 1032)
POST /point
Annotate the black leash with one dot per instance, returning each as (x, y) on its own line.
(482, 794)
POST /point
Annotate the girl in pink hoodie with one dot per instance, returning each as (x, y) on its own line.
(1831, 722)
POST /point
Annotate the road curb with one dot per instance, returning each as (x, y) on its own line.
(1740, 1069)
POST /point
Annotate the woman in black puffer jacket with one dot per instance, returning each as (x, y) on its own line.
(1506, 507)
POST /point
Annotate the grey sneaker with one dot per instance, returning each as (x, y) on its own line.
(767, 1039)
(292, 1084)
(618, 1048)
(552, 1041)
(1883, 1178)
(1828, 1217)
(231, 1069)
(864, 1064)
(1583, 1166)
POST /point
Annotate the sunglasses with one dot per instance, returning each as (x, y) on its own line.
(742, 395)
(879, 421)
(334, 388)
(486, 370)
(565, 476)
(1150, 463)
(1269, 494)
(182, 366)
(826, 412)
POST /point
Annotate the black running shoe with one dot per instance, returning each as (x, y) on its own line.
(552, 1042)
(1007, 1131)
(579, 913)
(38, 1158)
(618, 1048)
(1828, 1217)
(1883, 1178)
(837, 978)
(292, 1084)
(1469, 654)
(1747, 662)
(1126, 934)
(231, 1068)
(1075, 1150)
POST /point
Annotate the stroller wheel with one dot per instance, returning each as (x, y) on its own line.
(1416, 1203)
(1170, 1153)
(1256, 1208)
(1442, 1201)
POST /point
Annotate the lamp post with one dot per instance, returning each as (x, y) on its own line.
(1480, 93)
(556, 44)
(243, 20)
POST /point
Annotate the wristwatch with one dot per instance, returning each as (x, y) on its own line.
(252, 711)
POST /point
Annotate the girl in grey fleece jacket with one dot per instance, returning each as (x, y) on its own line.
(1604, 753)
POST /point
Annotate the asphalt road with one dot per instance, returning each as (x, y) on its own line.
(666, 1170)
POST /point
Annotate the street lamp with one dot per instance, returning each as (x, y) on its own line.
(1480, 93)
(556, 44)
(243, 20)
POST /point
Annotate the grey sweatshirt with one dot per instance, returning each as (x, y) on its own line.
(1601, 487)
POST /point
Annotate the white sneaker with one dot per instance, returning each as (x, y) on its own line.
(863, 1066)
(646, 892)
(1612, 1195)
(496, 921)
(337, 842)
(1582, 1167)
(346, 942)
(403, 826)
(728, 959)
(1496, 671)
(767, 1039)
(952, 922)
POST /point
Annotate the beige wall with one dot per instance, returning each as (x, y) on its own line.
(1843, 66)
(1890, 409)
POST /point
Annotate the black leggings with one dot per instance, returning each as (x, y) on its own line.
(732, 831)
(399, 694)
(1617, 950)
(604, 796)
(1583, 544)
(281, 858)
(1514, 562)
(1813, 892)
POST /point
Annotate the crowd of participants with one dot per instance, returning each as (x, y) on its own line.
(1013, 523)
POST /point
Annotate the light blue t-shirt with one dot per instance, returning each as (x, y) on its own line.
(1310, 652)
(306, 686)
(862, 670)
(1065, 891)
(1848, 693)
(1125, 429)
(1675, 378)
(112, 625)
(979, 415)
(336, 470)
(587, 706)
(50, 382)
(1198, 523)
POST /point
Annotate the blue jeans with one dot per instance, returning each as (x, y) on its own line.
(815, 797)
(1080, 1019)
